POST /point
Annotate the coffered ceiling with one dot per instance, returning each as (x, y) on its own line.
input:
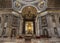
(9, 3)
(53, 3)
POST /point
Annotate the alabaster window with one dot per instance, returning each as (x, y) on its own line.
(29, 27)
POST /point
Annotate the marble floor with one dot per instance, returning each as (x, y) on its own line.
(42, 40)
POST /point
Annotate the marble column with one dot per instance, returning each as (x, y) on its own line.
(40, 26)
(21, 28)
(3, 22)
(9, 28)
(1, 27)
(57, 24)
(50, 25)
(49, 22)
(37, 27)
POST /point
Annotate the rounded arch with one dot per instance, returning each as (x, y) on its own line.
(29, 5)
(45, 32)
(29, 11)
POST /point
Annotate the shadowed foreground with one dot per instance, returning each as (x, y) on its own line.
(42, 40)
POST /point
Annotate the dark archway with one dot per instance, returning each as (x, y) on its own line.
(45, 33)
(29, 13)
(13, 33)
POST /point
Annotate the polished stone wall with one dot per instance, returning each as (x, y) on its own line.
(52, 24)
(47, 22)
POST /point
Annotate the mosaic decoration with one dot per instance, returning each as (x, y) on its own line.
(20, 4)
(16, 5)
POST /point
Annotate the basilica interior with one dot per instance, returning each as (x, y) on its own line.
(37, 21)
